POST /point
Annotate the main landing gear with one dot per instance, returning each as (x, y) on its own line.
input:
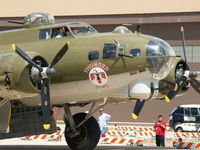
(82, 130)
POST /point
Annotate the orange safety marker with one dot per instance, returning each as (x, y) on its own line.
(114, 140)
(186, 145)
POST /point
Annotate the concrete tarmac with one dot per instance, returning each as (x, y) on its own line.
(61, 147)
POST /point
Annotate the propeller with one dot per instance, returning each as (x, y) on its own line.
(43, 76)
(183, 75)
(137, 109)
(178, 87)
(195, 84)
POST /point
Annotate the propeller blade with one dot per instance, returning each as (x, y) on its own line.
(137, 109)
(195, 84)
(179, 85)
(45, 102)
(60, 54)
(183, 42)
(25, 57)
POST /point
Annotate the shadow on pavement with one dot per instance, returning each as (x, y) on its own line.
(60, 147)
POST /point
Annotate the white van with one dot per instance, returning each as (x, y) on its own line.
(185, 118)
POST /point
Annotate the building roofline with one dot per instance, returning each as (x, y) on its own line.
(148, 18)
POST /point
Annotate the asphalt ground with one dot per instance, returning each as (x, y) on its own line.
(61, 147)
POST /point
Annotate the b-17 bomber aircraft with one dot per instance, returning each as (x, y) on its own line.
(45, 65)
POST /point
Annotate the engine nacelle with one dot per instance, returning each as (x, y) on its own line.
(175, 74)
(19, 75)
(143, 89)
(177, 70)
(15, 76)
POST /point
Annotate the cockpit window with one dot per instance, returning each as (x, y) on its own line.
(60, 32)
(54, 33)
(160, 57)
(80, 30)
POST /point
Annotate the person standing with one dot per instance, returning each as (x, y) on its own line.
(159, 127)
(103, 122)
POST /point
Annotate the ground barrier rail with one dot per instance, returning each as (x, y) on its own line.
(126, 141)
(48, 137)
(134, 128)
(140, 131)
(124, 133)
(131, 133)
(187, 134)
(186, 145)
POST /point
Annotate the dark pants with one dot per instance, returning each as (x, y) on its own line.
(160, 140)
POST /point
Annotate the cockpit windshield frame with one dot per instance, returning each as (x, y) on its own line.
(79, 30)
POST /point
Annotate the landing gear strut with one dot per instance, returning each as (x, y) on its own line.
(81, 132)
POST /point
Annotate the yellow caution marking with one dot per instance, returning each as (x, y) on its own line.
(134, 116)
(9, 117)
(68, 43)
(167, 99)
(46, 126)
(176, 87)
(182, 28)
(13, 47)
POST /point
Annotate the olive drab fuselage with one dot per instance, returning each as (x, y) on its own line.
(114, 57)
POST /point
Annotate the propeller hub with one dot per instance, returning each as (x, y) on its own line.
(50, 71)
(47, 72)
(180, 69)
(190, 74)
(35, 74)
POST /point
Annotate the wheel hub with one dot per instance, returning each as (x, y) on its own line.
(81, 135)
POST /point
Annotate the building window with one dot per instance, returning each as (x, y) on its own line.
(94, 55)
(109, 51)
(135, 52)
(192, 52)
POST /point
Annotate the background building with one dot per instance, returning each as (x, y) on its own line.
(158, 18)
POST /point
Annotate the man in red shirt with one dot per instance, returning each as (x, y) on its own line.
(159, 127)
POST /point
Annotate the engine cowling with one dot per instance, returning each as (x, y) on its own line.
(154, 89)
(15, 76)
(176, 73)
(143, 89)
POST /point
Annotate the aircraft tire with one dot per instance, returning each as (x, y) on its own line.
(89, 133)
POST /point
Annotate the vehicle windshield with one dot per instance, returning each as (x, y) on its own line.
(81, 30)
(160, 57)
